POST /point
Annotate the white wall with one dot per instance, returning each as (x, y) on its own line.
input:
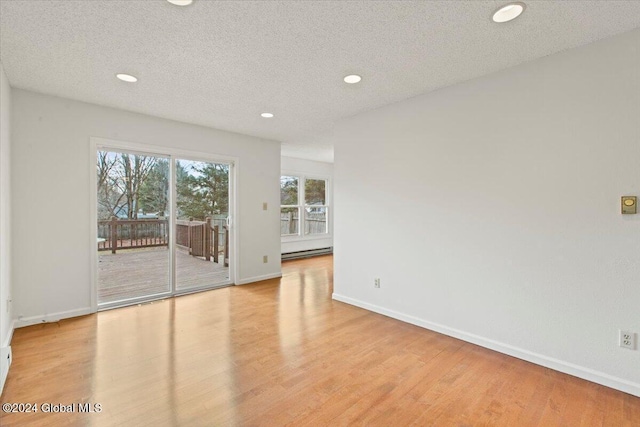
(310, 169)
(6, 324)
(51, 208)
(491, 210)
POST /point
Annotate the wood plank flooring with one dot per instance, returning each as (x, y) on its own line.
(281, 352)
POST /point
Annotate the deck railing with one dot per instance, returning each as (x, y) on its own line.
(132, 233)
(202, 238)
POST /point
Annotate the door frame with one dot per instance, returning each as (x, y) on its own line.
(172, 154)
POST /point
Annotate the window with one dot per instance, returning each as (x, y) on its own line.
(289, 207)
(315, 206)
(304, 207)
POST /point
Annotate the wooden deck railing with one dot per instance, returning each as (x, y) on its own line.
(201, 238)
(132, 233)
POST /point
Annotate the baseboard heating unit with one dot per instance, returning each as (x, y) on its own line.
(307, 254)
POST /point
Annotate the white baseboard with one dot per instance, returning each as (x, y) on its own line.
(539, 359)
(258, 278)
(48, 318)
(5, 364)
(5, 348)
(7, 340)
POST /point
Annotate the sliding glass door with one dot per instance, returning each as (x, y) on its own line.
(145, 251)
(133, 226)
(202, 235)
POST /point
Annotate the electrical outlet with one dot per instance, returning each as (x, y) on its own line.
(627, 340)
(264, 206)
(376, 283)
(265, 259)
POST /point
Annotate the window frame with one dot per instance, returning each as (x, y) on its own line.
(302, 204)
(291, 206)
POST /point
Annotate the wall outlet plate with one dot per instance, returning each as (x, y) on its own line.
(627, 339)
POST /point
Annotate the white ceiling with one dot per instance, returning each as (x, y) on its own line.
(221, 64)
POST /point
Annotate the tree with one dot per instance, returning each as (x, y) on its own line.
(288, 190)
(154, 190)
(184, 196)
(315, 191)
(109, 197)
(129, 183)
(120, 177)
(202, 189)
(212, 180)
(135, 169)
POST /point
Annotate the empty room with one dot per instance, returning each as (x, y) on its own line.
(318, 213)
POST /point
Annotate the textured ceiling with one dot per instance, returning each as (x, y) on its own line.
(221, 64)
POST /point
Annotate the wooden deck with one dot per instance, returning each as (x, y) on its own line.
(139, 272)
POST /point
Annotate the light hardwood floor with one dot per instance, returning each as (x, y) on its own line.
(282, 352)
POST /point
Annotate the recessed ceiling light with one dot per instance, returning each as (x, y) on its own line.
(181, 2)
(267, 115)
(352, 78)
(508, 12)
(127, 78)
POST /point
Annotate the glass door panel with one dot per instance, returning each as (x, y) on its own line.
(133, 226)
(202, 233)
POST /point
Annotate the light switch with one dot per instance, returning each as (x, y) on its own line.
(629, 205)
(264, 206)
